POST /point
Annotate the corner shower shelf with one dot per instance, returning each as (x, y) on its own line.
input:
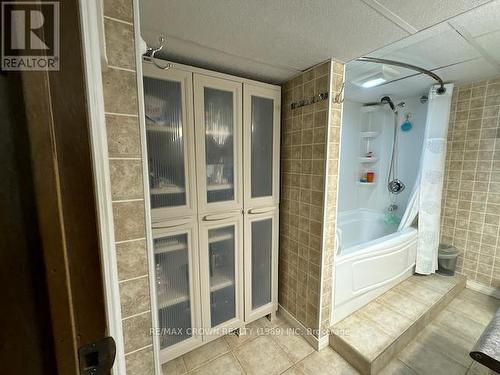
(364, 159)
(369, 134)
(366, 183)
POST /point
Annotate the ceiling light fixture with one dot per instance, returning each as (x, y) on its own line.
(376, 78)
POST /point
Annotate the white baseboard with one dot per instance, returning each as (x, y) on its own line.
(484, 289)
(316, 343)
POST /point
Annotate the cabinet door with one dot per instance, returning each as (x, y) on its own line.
(261, 118)
(261, 263)
(218, 127)
(168, 108)
(178, 305)
(221, 254)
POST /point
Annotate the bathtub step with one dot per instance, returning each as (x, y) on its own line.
(370, 337)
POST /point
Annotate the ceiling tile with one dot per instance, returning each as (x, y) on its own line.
(491, 44)
(288, 34)
(432, 48)
(196, 55)
(424, 13)
(469, 71)
(480, 21)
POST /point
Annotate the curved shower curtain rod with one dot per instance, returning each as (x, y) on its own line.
(441, 90)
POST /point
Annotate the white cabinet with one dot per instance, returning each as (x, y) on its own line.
(221, 260)
(177, 285)
(218, 123)
(261, 119)
(168, 106)
(261, 262)
(213, 169)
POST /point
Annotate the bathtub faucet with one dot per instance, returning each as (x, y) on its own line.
(392, 207)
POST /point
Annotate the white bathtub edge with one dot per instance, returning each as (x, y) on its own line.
(347, 308)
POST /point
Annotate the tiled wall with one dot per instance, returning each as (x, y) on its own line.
(124, 147)
(471, 197)
(332, 173)
(303, 171)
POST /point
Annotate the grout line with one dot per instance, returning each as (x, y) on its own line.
(237, 360)
(132, 240)
(121, 114)
(121, 68)
(127, 200)
(208, 361)
(123, 158)
(118, 20)
(136, 315)
(132, 279)
(138, 350)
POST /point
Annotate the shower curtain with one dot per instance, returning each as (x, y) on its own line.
(425, 199)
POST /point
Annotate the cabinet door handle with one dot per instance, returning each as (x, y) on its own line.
(171, 223)
(260, 210)
(216, 217)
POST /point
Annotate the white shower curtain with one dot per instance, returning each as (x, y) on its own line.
(425, 199)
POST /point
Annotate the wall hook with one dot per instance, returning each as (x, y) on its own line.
(152, 52)
(339, 98)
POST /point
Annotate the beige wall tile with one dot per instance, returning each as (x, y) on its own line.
(141, 362)
(131, 259)
(120, 9)
(119, 44)
(129, 220)
(136, 332)
(134, 296)
(470, 217)
(123, 136)
(126, 179)
(120, 91)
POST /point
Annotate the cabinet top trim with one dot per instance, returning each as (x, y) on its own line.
(211, 73)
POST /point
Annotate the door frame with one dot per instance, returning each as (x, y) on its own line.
(60, 123)
(92, 36)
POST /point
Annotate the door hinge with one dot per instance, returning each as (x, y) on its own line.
(97, 358)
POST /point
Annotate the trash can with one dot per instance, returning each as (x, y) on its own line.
(447, 259)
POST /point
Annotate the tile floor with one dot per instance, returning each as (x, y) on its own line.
(441, 348)
(369, 338)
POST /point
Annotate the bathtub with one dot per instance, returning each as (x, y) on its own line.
(371, 258)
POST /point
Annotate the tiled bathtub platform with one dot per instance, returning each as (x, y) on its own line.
(373, 335)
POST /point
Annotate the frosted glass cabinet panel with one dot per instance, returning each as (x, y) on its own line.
(221, 263)
(170, 141)
(261, 133)
(261, 251)
(177, 284)
(218, 134)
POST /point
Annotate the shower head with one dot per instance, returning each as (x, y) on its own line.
(387, 100)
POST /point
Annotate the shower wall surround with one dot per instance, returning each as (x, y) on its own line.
(309, 137)
(125, 164)
(471, 197)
